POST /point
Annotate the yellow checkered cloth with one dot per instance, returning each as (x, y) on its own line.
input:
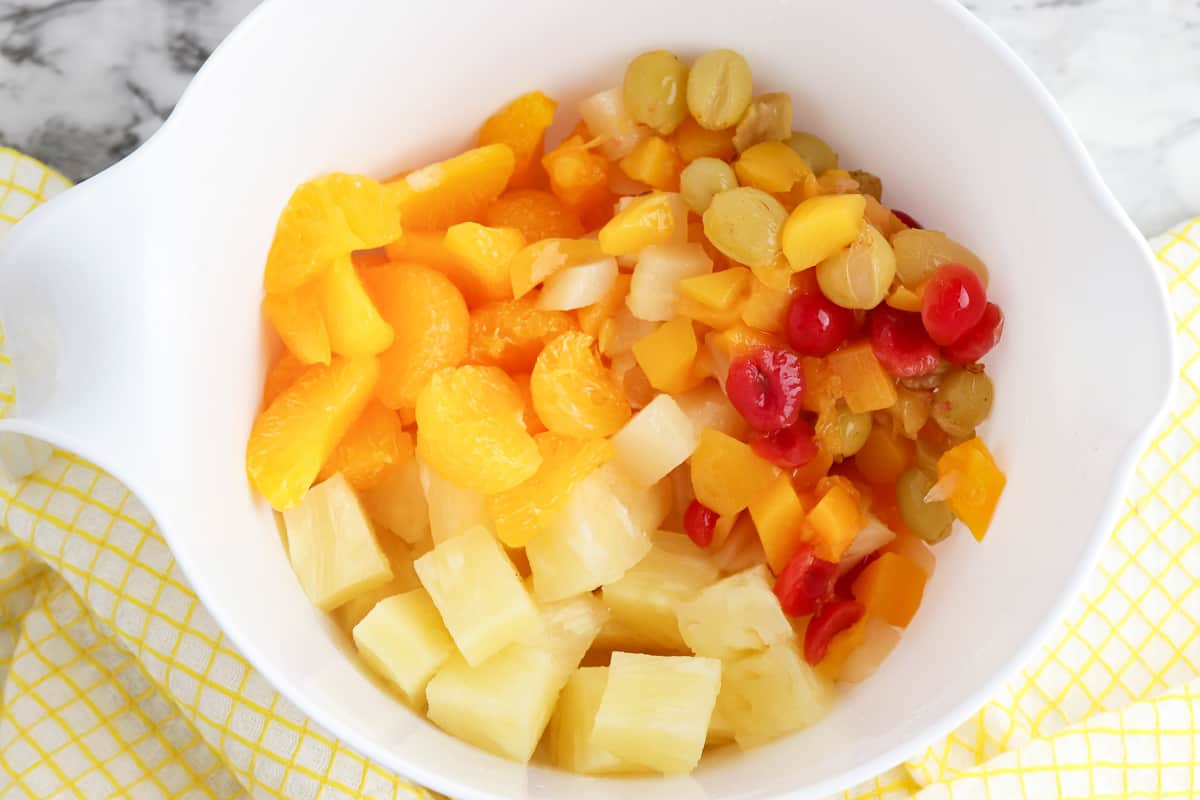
(117, 682)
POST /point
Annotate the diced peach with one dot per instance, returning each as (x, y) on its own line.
(891, 588)
(726, 474)
(905, 299)
(716, 318)
(835, 520)
(864, 383)
(483, 256)
(766, 308)
(820, 227)
(654, 162)
(694, 141)
(976, 484)
(718, 290)
(655, 218)
(773, 167)
(667, 355)
(779, 517)
(840, 647)
(885, 455)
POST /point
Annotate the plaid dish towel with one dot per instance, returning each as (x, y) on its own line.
(117, 682)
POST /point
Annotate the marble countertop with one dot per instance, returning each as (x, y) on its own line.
(83, 82)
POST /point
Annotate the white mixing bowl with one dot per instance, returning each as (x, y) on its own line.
(132, 307)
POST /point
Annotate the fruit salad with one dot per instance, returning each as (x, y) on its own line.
(627, 445)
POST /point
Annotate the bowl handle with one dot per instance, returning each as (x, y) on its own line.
(77, 290)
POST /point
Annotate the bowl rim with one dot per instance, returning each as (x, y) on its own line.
(1071, 588)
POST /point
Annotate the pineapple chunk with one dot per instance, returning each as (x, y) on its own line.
(741, 549)
(659, 438)
(735, 615)
(478, 592)
(644, 601)
(403, 639)
(772, 693)
(332, 547)
(569, 736)
(504, 704)
(398, 502)
(404, 579)
(708, 407)
(648, 507)
(452, 509)
(655, 710)
(591, 541)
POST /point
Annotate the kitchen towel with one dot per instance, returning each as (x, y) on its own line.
(117, 682)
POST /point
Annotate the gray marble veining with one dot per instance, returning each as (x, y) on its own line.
(83, 82)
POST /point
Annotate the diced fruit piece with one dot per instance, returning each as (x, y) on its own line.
(914, 549)
(806, 582)
(859, 276)
(592, 318)
(578, 287)
(580, 178)
(647, 507)
(720, 290)
(397, 502)
(655, 710)
(816, 326)
(952, 302)
(655, 218)
(766, 308)
(430, 321)
(404, 579)
(633, 380)
(773, 167)
(831, 619)
(726, 474)
(655, 163)
(693, 142)
(719, 89)
(619, 334)
(745, 224)
(644, 601)
(837, 182)
(605, 115)
(865, 385)
(735, 615)
(653, 288)
(659, 438)
(979, 340)
(919, 253)
(478, 592)
(536, 213)
(354, 324)
(295, 435)
(835, 520)
(667, 355)
(977, 484)
(373, 443)
(590, 541)
(325, 219)
(567, 629)
(904, 299)
(570, 732)
(901, 344)
(820, 227)
(403, 639)
(843, 643)
(873, 536)
(787, 448)
(521, 512)
(332, 547)
(699, 523)
(708, 407)
(772, 693)
(512, 333)
(573, 393)
(778, 516)
(296, 317)
(522, 126)
(879, 639)
(483, 255)
(767, 387)
(455, 190)
(540, 260)
(452, 509)
(890, 587)
(885, 455)
(741, 548)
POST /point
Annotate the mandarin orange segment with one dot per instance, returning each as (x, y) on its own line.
(510, 334)
(455, 190)
(483, 255)
(532, 423)
(471, 430)
(295, 435)
(535, 213)
(373, 444)
(573, 393)
(325, 218)
(579, 175)
(522, 126)
(430, 323)
(519, 513)
(296, 317)
(355, 325)
(283, 373)
(423, 247)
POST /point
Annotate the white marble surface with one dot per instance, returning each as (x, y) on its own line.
(82, 82)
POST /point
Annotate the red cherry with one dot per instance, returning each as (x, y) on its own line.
(805, 583)
(901, 344)
(975, 343)
(832, 619)
(816, 325)
(699, 522)
(953, 303)
(790, 447)
(766, 387)
(908, 219)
